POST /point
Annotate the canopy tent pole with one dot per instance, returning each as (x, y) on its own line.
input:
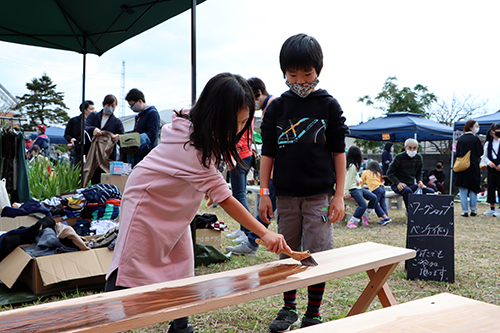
(451, 161)
(193, 91)
(82, 125)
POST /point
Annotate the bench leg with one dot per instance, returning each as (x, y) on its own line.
(376, 285)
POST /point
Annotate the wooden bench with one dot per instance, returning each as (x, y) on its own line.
(439, 313)
(390, 195)
(141, 306)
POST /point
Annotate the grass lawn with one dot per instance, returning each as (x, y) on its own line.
(477, 273)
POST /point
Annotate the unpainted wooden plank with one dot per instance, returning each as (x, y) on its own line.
(435, 314)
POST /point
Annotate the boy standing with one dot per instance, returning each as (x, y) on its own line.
(303, 136)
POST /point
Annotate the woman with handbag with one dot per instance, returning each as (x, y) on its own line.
(491, 156)
(468, 181)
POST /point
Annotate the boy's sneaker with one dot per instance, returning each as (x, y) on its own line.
(284, 320)
(236, 234)
(242, 238)
(385, 221)
(496, 213)
(242, 249)
(306, 321)
(366, 218)
(188, 329)
(490, 212)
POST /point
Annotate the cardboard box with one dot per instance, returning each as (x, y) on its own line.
(11, 223)
(69, 221)
(209, 237)
(118, 180)
(55, 272)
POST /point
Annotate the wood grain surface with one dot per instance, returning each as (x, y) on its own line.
(141, 306)
(435, 314)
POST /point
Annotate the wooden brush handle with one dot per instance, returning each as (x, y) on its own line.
(261, 242)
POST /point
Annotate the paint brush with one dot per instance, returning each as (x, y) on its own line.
(305, 257)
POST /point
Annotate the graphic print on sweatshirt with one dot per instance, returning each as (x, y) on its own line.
(304, 130)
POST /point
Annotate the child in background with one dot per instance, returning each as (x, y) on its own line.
(353, 188)
(303, 134)
(165, 190)
(372, 177)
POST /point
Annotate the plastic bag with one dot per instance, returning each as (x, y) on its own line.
(419, 191)
(4, 196)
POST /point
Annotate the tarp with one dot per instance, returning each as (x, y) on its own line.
(484, 122)
(91, 26)
(399, 126)
(56, 135)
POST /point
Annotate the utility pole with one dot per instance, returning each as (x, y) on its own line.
(122, 103)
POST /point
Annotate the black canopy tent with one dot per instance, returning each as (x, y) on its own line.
(91, 26)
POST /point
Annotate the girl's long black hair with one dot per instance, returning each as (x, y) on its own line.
(354, 156)
(215, 118)
(374, 167)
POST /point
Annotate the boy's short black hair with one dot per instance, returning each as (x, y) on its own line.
(301, 51)
(257, 84)
(134, 95)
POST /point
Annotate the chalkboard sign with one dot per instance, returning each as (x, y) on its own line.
(431, 234)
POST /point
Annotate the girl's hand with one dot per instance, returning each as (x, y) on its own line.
(210, 200)
(97, 132)
(115, 138)
(275, 242)
(347, 195)
(358, 182)
(337, 209)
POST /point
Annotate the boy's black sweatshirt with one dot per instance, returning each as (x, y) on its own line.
(301, 134)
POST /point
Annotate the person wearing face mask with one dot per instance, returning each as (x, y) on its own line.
(103, 124)
(303, 135)
(440, 175)
(405, 172)
(73, 133)
(491, 156)
(387, 157)
(42, 141)
(147, 123)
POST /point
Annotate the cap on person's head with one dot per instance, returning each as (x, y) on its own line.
(42, 128)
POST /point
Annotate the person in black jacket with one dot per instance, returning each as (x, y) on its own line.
(469, 181)
(147, 123)
(104, 120)
(73, 133)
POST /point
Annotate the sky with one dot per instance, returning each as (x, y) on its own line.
(451, 47)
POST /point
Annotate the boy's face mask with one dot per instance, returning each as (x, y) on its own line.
(303, 89)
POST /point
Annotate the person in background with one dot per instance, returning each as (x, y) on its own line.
(104, 120)
(372, 177)
(147, 123)
(73, 133)
(248, 246)
(353, 188)
(440, 177)
(432, 184)
(164, 191)
(491, 156)
(42, 141)
(387, 157)
(405, 172)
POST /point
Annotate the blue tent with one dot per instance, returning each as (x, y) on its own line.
(399, 126)
(483, 121)
(56, 135)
